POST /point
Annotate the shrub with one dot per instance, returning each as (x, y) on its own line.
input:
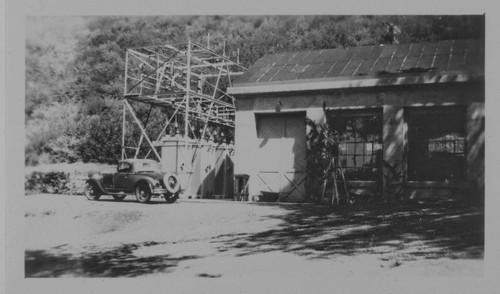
(51, 182)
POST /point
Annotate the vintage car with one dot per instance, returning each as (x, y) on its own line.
(142, 177)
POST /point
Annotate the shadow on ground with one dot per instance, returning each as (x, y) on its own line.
(427, 229)
(120, 262)
(410, 230)
(132, 199)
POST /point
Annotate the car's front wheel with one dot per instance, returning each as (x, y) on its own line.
(91, 192)
(142, 193)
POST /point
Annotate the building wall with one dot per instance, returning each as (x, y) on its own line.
(391, 99)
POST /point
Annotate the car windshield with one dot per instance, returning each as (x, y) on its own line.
(148, 167)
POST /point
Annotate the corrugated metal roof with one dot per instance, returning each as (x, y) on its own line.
(379, 60)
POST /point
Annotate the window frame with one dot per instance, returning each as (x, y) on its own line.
(357, 141)
(413, 160)
(122, 170)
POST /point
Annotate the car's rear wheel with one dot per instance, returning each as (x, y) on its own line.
(142, 193)
(119, 197)
(171, 198)
(91, 192)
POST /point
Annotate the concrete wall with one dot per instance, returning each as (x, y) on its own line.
(390, 99)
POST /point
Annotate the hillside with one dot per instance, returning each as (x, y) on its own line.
(74, 65)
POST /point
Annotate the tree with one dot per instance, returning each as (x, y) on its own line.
(77, 63)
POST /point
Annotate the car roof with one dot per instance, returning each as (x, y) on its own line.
(136, 160)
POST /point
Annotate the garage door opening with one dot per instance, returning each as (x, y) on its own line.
(282, 154)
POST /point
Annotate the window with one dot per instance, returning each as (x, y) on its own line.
(359, 139)
(436, 143)
(123, 167)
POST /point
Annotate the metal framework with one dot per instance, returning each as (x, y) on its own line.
(188, 78)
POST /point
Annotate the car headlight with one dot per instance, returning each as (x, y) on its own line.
(156, 183)
(96, 176)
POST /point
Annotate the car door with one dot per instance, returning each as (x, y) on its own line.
(122, 177)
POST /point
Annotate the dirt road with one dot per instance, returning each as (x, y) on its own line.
(69, 236)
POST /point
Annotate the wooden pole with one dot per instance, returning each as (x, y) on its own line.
(335, 195)
(126, 75)
(325, 183)
(188, 86)
(138, 146)
(143, 131)
(211, 105)
(142, 136)
(341, 168)
(169, 120)
(123, 129)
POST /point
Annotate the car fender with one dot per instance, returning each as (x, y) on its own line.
(97, 184)
(149, 182)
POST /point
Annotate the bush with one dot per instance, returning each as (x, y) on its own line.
(51, 182)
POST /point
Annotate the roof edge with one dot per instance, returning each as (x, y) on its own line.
(360, 82)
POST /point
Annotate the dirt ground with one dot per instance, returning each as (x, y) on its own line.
(70, 236)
